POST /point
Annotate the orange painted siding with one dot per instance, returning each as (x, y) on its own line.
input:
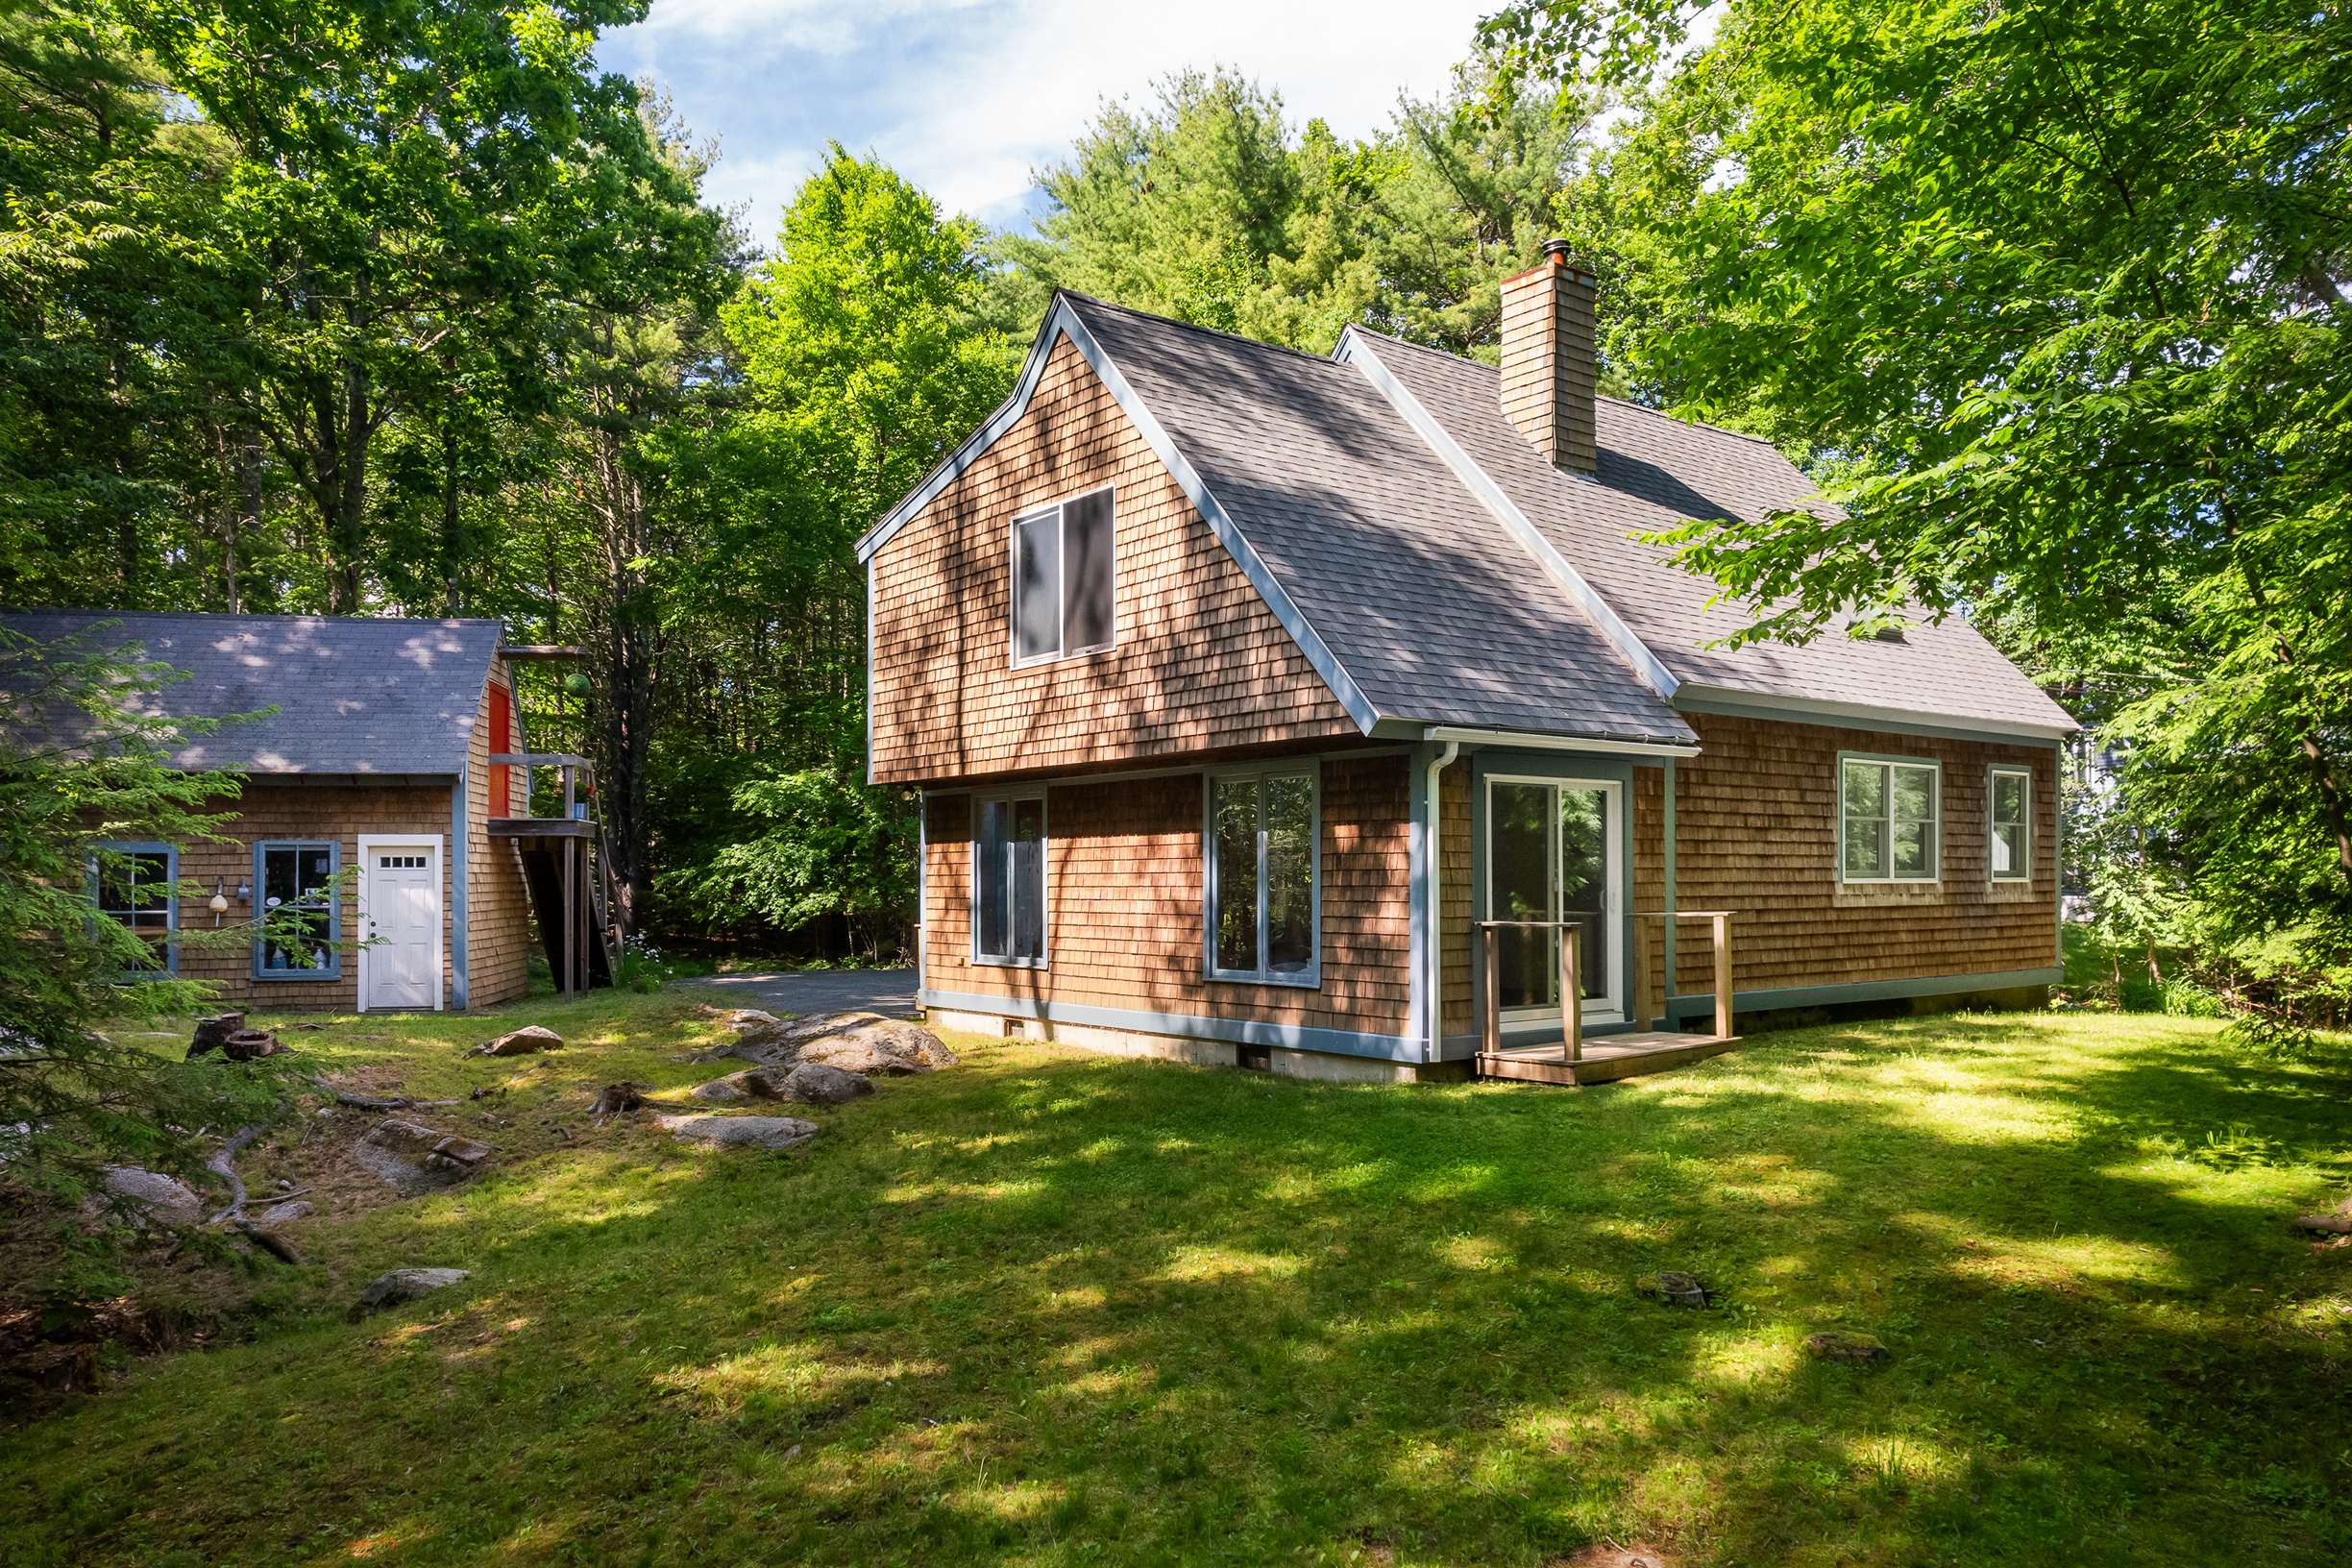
(1200, 664)
(497, 914)
(1124, 898)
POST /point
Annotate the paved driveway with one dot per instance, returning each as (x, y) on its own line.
(888, 992)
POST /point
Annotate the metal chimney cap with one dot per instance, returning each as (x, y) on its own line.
(1555, 248)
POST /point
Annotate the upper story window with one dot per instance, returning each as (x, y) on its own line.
(1264, 886)
(1890, 818)
(2009, 837)
(1009, 880)
(1063, 579)
(301, 912)
(132, 883)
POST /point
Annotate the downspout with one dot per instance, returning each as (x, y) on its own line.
(1432, 981)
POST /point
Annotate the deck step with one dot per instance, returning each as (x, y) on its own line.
(1605, 1058)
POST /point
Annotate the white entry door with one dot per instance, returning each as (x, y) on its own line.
(399, 906)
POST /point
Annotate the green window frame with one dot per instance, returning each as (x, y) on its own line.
(154, 916)
(1890, 818)
(1262, 876)
(2009, 823)
(301, 872)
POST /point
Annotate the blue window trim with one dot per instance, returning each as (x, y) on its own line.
(1311, 770)
(171, 905)
(335, 911)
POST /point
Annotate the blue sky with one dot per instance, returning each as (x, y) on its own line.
(966, 98)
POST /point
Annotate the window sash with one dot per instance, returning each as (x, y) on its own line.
(1063, 600)
(155, 918)
(2009, 835)
(1894, 838)
(286, 871)
(1262, 856)
(1009, 916)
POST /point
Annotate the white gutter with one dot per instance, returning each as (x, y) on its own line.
(1434, 926)
(1453, 735)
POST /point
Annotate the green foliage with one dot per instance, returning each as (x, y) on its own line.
(1207, 206)
(808, 845)
(2052, 295)
(76, 764)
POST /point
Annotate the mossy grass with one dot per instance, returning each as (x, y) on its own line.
(1051, 1307)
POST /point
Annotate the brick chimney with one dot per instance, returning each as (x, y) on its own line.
(1548, 363)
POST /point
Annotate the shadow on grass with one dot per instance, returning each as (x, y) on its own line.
(1058, 1308)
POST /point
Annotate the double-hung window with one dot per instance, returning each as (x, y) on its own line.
(302, 919)
(1009, 879)
(1263, 877)
(1064, 579)
(133, 884)
(1889, 819)
(2009, 837)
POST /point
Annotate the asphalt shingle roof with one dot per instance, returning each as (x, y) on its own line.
(1436, 613)
(354, 696)
(1656, 471)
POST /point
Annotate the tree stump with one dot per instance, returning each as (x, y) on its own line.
(213, 1033)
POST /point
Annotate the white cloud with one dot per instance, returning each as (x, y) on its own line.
(966, 99)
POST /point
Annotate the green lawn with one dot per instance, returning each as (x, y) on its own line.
(1052, 1308)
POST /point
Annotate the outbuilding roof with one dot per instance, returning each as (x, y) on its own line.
(354, 695)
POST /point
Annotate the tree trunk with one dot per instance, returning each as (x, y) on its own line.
(453, 598)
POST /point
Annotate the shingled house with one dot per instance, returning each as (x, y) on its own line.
(396, 751)
(1330, 714)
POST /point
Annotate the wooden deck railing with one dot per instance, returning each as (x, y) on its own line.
(1571, 979)
(578, 774)
(1571, 982)
(1718, 922)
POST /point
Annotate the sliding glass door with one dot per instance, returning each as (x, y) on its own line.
(1553, 854)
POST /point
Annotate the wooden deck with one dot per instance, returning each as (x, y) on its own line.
(1604, 1058)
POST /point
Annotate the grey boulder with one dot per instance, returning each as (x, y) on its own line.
(156, 1198)
(278, 1214)
(816, 1083)
(417, 1159)
(865, 1042)
(520, 1042)
(746, 1132)
(404, 1284)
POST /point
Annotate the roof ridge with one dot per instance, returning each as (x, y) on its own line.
(1602, 397)
(256, 615)
(1195, 327)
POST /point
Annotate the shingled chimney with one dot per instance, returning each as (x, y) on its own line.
(1548, 363)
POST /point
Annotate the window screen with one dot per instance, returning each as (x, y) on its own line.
(1065, 587)
(1008, 881)
(1261, 870)
(2010, 841)
(1889, 821)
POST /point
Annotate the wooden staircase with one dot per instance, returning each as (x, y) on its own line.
(567, 870)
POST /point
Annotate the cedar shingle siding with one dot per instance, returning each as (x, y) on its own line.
(1125, 922)
(1200, 663)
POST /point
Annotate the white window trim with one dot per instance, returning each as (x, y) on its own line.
(1610, 1006)
(985, 798)
(1310, 770)
(1056, 509)
(1935, 869)
(1993, 773)
(369, 843)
